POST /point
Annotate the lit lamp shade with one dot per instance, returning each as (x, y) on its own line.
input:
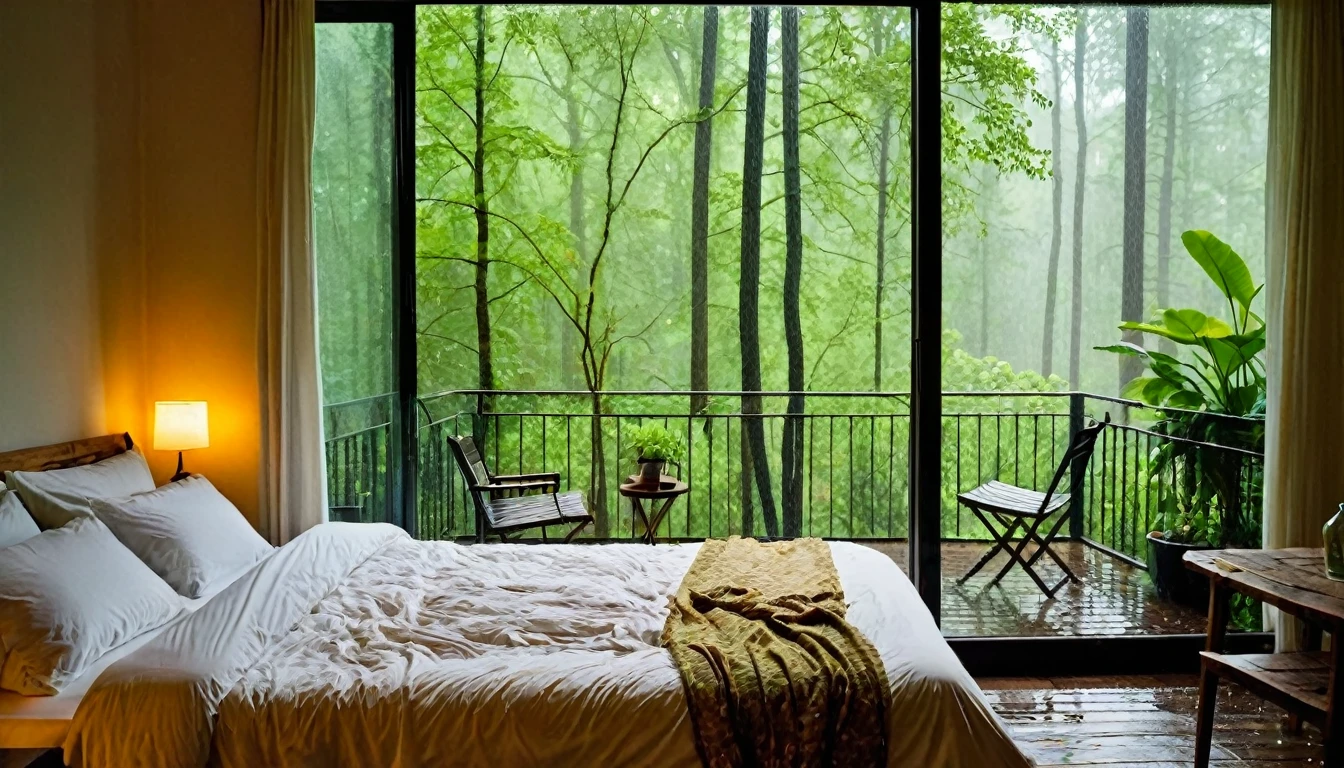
(181, 425)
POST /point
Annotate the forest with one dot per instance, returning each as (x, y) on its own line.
(685, 198)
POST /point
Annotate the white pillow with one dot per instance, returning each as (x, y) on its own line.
(187, 532)
(16, 525)
(67, 597)
(57, 496)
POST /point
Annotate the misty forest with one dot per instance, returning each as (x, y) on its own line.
(695, 199)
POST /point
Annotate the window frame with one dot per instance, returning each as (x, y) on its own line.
(1051, 656)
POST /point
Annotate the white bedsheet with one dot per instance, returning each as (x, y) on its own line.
(41, 722)
(355, 645)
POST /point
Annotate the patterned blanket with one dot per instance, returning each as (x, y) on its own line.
(774, 674)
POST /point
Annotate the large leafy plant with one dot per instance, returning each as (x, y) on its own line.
(1213, 404)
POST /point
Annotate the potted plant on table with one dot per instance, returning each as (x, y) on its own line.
(1213, 406)
(654, 446)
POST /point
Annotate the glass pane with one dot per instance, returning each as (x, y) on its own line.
(566, 220)
(1112, 131)
(352, 217)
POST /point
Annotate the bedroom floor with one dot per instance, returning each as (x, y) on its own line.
(1143, 721)
(1114, 597)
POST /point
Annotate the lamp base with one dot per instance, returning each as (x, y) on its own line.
(180, 474)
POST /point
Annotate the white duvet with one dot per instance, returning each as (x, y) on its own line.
(355, 645)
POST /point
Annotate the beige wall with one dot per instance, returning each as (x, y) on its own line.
(51, 386)
(128, 229)
(199, 67)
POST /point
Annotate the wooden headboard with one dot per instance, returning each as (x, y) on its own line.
(61, 455)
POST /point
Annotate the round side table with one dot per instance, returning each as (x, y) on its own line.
(660, 498)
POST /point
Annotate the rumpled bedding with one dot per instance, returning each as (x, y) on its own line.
(355, 645)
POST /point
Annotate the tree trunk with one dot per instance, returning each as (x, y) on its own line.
(791, 463)
(1136, 155)
(883, 180)
(989, 197)
(597, 488)
(704, 141)
(569, 336)
(1079, 182)
(883, 160)
(749, 282)
(1164, 195)
(1057, 212)
(485, 370)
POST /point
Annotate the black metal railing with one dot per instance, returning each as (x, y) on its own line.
(854, 460)
(359, 451)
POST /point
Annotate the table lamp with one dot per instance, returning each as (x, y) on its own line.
(180, 425)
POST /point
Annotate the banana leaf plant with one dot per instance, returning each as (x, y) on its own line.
(1211, 401)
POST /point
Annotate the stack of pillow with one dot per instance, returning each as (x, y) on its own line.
(95, 556)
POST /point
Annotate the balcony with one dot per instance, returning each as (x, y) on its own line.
(855, 483)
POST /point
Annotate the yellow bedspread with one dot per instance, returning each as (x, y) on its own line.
(774, 674)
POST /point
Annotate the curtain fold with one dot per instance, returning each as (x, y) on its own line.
(1304, 442)
(293, 475)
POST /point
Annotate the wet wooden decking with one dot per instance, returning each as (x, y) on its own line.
(1137, 721)
(1114, 597)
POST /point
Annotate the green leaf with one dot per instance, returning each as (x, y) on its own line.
(1158, 330)
(1222, 264)
(1194, 325)
(1124, 348)
(1186, 399)
(1232, 352)
(1148, 389)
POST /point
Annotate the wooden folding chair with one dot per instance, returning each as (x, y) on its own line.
(1014, 508)
(507, 504)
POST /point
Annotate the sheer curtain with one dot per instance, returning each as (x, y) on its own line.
(1304, 444)
(293, 477)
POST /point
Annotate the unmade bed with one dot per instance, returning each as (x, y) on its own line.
(356, 645)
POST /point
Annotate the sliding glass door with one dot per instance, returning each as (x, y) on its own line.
(857, 261)
(1111, 169)
(357, 224)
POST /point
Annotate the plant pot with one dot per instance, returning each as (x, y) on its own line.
(1175, 582)
(651, 471)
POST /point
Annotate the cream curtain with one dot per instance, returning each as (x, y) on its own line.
(293, 484)
(1304, 444)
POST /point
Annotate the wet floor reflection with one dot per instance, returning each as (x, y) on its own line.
(1114, 597)
(1143, 721)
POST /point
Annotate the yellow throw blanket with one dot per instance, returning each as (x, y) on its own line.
(774, 675)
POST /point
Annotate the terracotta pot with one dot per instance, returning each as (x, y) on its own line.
(650, 471)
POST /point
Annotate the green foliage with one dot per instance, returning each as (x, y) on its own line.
(654, 442)
(1213, 407)
(1226, 376)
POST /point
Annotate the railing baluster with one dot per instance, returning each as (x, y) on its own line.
(690, 473)
(872, 476)
(1017, 445)
(1035, 449)
(851, 476)
(709, 430)
(891, 462)
(811, 456)
(728, 460)
(957, 489)
(1124, 485)
(830, 531)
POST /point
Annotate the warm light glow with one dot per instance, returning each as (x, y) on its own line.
(180, 426)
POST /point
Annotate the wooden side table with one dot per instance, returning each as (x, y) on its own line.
(666, 492)
(1306, 683)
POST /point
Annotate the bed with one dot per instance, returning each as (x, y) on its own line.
(357, 645)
